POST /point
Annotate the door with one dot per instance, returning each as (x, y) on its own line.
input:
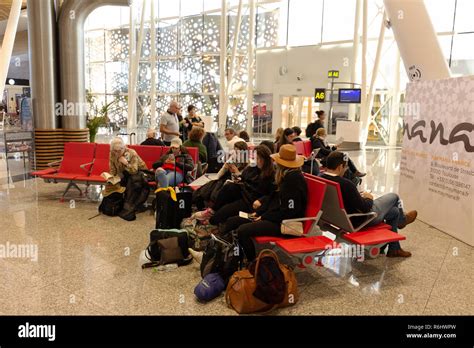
(297, 111)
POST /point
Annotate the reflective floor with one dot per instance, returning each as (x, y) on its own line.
(73, 265)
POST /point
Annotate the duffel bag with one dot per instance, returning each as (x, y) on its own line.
(265, 285)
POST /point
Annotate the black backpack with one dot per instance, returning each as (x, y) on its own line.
(221, 257)
(112, 205)
(170, 213)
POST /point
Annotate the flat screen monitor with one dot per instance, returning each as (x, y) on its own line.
(349, 95)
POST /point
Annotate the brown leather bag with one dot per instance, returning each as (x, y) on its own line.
(239, 294)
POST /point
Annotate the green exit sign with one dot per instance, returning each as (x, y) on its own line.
(334, 74)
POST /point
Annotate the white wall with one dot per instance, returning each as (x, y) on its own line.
(311, 62)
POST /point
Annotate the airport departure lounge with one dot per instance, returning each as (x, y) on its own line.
(232, 157)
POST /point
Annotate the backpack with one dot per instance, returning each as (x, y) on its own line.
(221, 257)
(166, 211)
(170, 213)
(112, 204)
(136, 195)
(168, 246)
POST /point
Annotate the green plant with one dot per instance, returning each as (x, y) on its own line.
(96, 117)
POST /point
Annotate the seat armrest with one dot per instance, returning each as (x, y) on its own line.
(51, 164)
(370, 217)
(83, 166)
(314, 218)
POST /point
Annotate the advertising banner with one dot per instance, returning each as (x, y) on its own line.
(437, 161)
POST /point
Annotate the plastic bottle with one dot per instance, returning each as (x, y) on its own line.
(171, 266)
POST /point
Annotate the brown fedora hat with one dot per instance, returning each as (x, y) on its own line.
(287, 157)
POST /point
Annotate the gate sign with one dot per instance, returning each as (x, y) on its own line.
(319, 95)
(334, 74)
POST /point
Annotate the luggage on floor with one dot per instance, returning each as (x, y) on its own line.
(265, 285)
(195, 240)
(136, 195)
(172, 207)
(184, 198)
(166, 209)
(210, 287)
(221, 256)
(166, 247)
(112, 204)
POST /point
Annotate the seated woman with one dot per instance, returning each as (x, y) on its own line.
(246, 192)
(319, 142)
(195, 140)
(287, 202)
(286, 137)
(124, 161)
(175, 166)
(126, 164)
(238, 161)
(388, 207)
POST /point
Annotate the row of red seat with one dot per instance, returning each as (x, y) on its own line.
(325, 208)
(303, 148)
(83, 163)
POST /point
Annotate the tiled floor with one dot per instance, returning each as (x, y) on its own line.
(91, 266)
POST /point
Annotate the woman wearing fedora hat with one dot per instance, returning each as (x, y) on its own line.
(287, 202)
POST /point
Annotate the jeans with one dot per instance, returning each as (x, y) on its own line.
(389, 209)
(165, 178)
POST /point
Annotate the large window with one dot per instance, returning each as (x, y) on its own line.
(186, 61)
(338, 20)
(305, 22)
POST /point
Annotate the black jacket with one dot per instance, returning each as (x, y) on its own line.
(212, 145)
(287, 203)
(153, 142)
(353, 201)
(254, 186)
(313, 127)
(324, 151)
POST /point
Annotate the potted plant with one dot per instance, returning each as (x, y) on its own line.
(96, 117)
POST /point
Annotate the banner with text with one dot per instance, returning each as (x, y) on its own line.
(437, 164)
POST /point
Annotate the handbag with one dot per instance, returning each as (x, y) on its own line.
(293, 228)
(243, 285)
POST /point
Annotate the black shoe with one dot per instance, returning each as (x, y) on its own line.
(359, 174)
(141, 208)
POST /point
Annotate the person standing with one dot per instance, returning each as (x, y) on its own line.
(169, 123)
(314, 126)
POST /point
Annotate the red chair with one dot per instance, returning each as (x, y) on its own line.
(149, 154)
(75, 154)
(312, 246)
(99, 165)
(336, 218)
(308, 148)
(299, 148)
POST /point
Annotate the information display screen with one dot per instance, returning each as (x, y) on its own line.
(347, 95)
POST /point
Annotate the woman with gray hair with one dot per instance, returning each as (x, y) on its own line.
(124, 159)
